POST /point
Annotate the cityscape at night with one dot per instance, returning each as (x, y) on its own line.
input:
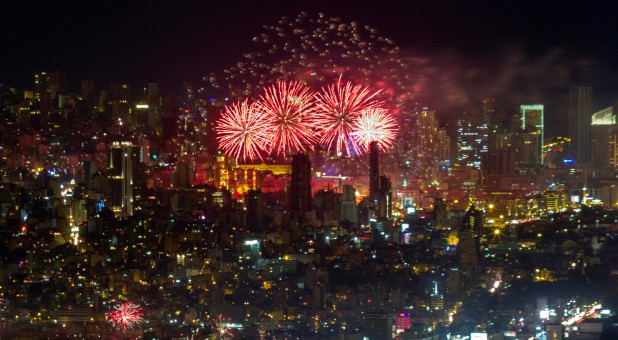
(309, 170)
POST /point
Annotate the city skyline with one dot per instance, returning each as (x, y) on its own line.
(517, 53)
(402, 171)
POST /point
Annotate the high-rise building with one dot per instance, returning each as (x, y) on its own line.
(602, 123)
(489, 110)
(349, 210)
(152, 93)
(580, 118)
(374, 173)
(533, 116)
(472, 141)
(443, 145)
(378, 326)
(613, 148)
(53, 83)
(527, 147)
(125, 177)
(254, 202)
(379, 186)
(384, 207)
(469, 244)
(427, 127)
(300, 187)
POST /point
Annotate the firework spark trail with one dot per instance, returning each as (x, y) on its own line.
(316, 50)
(375, 124)
(288, 107)
(338, 107)
(125, 316)
(222, 329)
(242, 131)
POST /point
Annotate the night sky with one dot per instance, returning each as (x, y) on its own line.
(460, 51)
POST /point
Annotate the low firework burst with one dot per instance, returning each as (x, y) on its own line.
(222, 330)
(125, 316)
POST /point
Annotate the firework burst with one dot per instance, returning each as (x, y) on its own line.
(242, 131)
(125, 316)
(375, 125)
(338, 108)
(222, 330)
(288, 107)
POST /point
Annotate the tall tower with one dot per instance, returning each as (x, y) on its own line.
(348, 205)
(533, 116)
(488, 110)
(602, 123)
(301, 185)
(374, 173)
(469, 245)
(254, 202)
(125, 176)
(580, 118)
(472, 141)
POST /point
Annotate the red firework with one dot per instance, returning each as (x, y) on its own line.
(375, 125)
(288, 108)
(126, 315)
(338, 108)
(242, 131)
(222, 328)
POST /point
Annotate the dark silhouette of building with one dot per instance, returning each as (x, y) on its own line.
(254, 202)
(469, 245)
(378, 326)
(580, 119)
(374, 172)
(300, 195)
(385, 198)
(380, 192)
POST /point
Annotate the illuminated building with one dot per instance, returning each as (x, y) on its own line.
(348, 205)
(443, 145)
(580, 115)
(533, 116)
(602, 122)
(125, 176)
(472, 141)
(416, 141)
(427, 138)
(527, 147)
(300, 186)
(613, 148)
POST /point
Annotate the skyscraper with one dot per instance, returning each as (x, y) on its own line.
(125, 176)
(301, 185)
(533, 116)
(254, 202)
(602, 123)
(374, 172)
(472, 141)
(469, 244)
(348, 205)
(580, 118)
